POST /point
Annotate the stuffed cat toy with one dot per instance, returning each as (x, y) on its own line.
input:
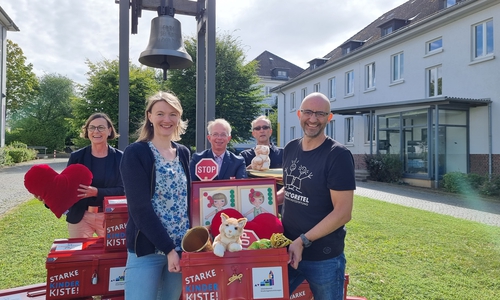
(229, 235)
(261, 160)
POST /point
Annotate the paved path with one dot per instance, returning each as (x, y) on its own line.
(12, 190)
(473, 207)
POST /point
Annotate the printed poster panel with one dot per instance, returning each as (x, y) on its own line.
(257, 199)
(116, 279)
(215, 199)
(267, 283)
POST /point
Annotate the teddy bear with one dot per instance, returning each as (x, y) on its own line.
(229, 237)
(261, 161)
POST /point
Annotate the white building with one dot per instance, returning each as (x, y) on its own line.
(423, 63)
(6, 24)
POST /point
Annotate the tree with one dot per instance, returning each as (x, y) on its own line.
(101, 94)
(44, 121)
(237, 97)
(22, 84)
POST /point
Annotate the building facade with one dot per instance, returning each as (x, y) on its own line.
(6, 24)
(420, 82)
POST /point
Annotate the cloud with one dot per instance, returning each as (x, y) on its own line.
(58, 36)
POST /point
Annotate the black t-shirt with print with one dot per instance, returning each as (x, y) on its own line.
(308, 177)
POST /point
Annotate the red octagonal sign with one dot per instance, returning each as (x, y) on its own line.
(206, 169)
(248, 237)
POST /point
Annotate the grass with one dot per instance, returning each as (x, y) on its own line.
(393, 252)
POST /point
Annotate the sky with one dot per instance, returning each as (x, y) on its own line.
(59, 36)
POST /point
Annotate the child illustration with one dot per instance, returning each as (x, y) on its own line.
(217, 200)
(256, 199)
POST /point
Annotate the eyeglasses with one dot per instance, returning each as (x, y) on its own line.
(265, 127)
(319, 114)
(99, 128)
(219, 135)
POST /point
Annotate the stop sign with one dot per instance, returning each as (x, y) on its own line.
(248, 237)
(206, 169)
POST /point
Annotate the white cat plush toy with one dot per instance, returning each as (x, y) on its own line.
(261, 160)
(229, 239)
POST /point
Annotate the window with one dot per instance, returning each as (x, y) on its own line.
(292, 132)
(282, 74)
(317, 87)
(303, 93)
(397, 70)
(330, 129)
(332, 91)
(349, 83)
(450, 2)
(369, 128)
(370, 76)
(266, 90)
(434, 81)
(292, 101)
(434, 45)
(386, 31)
(349, 130)
(483, 39)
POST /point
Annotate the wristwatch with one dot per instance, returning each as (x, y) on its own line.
(305, 241)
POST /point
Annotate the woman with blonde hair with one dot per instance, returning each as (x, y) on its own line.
(155, 171)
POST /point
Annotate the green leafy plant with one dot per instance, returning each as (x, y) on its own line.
(384, 167)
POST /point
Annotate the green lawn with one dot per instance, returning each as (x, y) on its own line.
(393, 252)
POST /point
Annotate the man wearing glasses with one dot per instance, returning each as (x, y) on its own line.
(318, 173)
(231, 166)
(262, 131)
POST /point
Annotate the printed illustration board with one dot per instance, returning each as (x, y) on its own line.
(250, 197)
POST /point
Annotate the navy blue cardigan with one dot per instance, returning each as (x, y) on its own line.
(144, 230)
(113, 181)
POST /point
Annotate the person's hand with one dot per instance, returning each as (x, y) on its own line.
(295, 253)
(87, 191)
(38, 197)
(174, 265)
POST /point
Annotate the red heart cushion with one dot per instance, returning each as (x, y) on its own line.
(58, 191)
(264, 225)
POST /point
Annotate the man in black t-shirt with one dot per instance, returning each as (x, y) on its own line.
(318, 174)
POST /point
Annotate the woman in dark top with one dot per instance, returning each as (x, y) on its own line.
(155, 172)
(86, 217)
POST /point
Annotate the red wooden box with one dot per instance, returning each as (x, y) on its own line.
(115, 222)
(247, 274)
(78, 268)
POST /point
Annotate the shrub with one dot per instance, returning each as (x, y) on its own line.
(491, 187)
(19, 152)
(475, 180)
(5, 159)
(384, 167)
(455, 182)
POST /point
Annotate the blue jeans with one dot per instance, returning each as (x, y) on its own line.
(325, 277)
(147, 278)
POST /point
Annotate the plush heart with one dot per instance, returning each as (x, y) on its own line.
(264, 225)
(58, 191)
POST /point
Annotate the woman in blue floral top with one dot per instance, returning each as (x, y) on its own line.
(155, 171)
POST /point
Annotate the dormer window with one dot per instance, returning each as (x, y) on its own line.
(280, 73)
(392, 25)
(349, 46)
(313, 64)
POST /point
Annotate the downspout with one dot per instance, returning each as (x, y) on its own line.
(284, 119)
(490, 142)
(436, 146)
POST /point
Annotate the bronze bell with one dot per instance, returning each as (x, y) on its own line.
(166, 46)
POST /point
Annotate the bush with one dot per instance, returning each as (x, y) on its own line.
(384, 167)
(491, 187)
(455, 182)
(5, 159)
(19, 152)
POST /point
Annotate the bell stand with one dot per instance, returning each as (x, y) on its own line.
(204, 13)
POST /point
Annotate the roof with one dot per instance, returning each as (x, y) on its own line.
(268, 62)
(447, 102)
(413, 12)
(7, 22)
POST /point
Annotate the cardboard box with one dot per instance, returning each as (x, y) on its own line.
(247, 274)
(79, 268)
(115, 223)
